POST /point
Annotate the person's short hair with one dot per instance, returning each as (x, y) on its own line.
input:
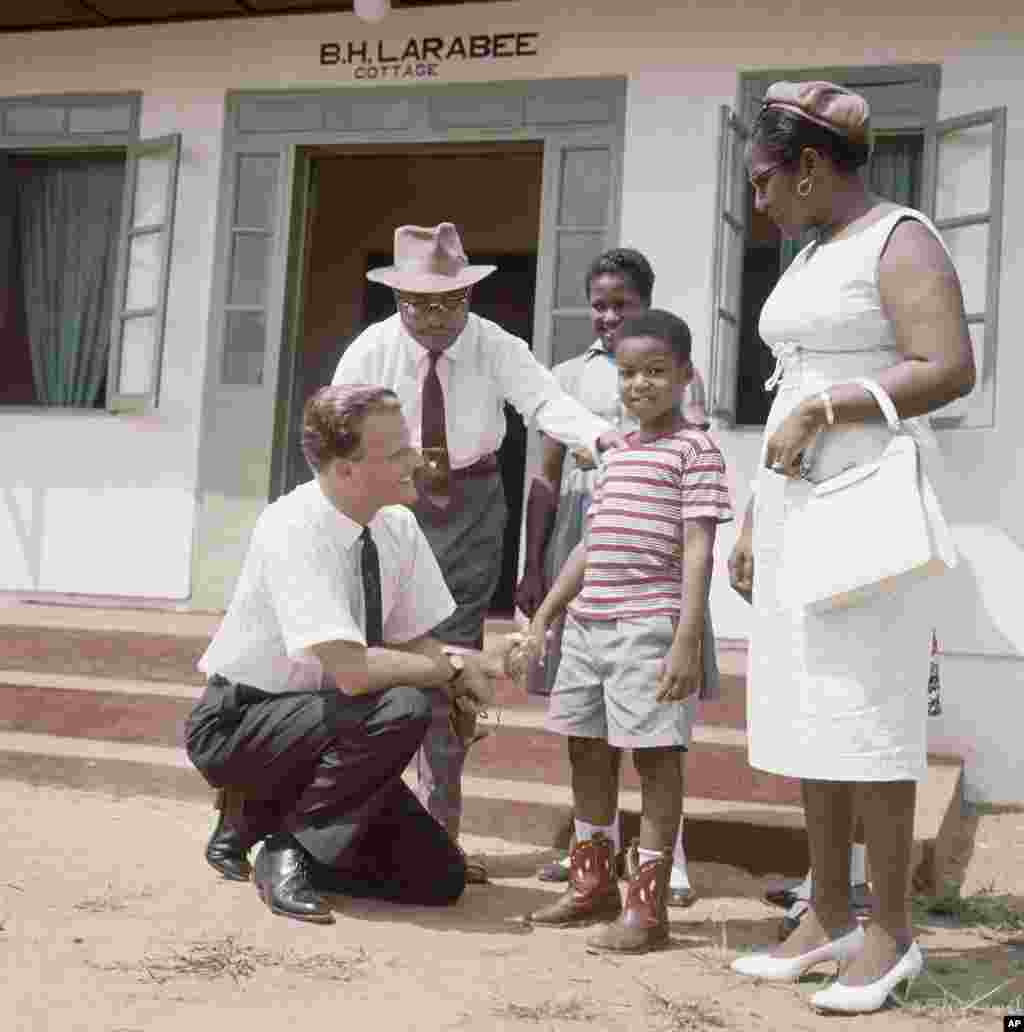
(625, 262)
(661, 325)
(784, 135)
(332, 421)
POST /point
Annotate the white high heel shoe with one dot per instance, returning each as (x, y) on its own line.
(764, 966)
(862, 999)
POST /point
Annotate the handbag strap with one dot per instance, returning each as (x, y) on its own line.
(885, 403)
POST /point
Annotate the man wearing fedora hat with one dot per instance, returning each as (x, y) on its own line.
(453, 372)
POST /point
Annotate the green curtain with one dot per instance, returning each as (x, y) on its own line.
(893, 173)
(68, 220)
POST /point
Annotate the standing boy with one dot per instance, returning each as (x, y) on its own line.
(635, 652)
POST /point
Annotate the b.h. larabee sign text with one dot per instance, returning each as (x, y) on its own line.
(422, 57)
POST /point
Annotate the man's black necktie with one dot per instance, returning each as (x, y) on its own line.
(371, 590)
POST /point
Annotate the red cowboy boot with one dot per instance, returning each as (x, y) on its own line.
(593, 894)
(643, 924)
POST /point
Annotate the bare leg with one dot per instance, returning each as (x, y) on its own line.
(828, 810)
(595, 780)
(661, 777)
(888, 811)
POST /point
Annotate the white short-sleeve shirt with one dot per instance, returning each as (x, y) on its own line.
(301, 585)
(484, 368)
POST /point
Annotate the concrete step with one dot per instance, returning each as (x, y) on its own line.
(762, 838)
(126, 736)
(97, 698)
(163, 647)
(519, 747)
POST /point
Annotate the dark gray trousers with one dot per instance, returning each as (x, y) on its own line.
(468, 546)
(327, 767)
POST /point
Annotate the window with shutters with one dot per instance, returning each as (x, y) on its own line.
(86, 212)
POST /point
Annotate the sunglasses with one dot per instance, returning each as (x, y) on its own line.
(420, 305)
(760, 181)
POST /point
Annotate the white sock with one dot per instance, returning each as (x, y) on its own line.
(643, 855)
(858, 864)
(680, 878)
(806, 888)
(585, 831)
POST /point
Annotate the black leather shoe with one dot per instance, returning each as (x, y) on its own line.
(228, 853)
(283, 881)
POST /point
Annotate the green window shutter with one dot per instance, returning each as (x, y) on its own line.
(252, 239)
(965, 161)
(144, 265)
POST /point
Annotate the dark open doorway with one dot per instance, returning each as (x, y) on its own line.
(357, 198)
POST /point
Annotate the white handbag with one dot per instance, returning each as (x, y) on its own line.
(869, 530)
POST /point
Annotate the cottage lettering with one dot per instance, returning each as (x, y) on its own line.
(422, 57)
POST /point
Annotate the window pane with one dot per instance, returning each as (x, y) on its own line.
(969, 248)
(248, 269)
(138, 346)
(586, 187)
(964, 175)
(723, 391)
(152, 179)
(575, 253)
(144, 260)
(895, 169)
(571, 335)
(244, 345)
(257, 181)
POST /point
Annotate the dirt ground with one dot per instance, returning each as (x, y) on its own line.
(110, 920)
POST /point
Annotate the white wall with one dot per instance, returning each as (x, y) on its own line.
(105, 505)
(99, 504)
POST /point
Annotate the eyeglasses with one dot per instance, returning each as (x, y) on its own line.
(760, 181)
(420, 305)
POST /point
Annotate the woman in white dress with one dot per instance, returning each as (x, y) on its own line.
(836, 700)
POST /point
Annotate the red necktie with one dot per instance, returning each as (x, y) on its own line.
(435, 438)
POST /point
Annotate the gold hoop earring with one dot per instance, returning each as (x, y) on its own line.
(804, 187)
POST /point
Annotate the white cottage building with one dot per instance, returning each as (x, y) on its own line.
(189, 207)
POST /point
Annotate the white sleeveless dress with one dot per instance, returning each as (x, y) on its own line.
(840, 696)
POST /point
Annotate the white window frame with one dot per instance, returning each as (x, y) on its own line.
(978, 408)
(168, 147)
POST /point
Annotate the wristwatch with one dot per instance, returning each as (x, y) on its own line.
(458, 664)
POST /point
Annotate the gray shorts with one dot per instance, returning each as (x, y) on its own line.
(607, 681)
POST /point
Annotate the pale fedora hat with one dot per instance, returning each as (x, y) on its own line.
(429, 260)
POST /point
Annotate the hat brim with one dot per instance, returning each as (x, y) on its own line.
(429, 282)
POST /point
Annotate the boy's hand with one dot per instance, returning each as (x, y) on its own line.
(681, 673)
(494, 659)
(537, 638)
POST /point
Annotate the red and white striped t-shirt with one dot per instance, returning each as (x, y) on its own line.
(635, 522)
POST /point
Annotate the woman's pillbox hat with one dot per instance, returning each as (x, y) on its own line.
(826, 104)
